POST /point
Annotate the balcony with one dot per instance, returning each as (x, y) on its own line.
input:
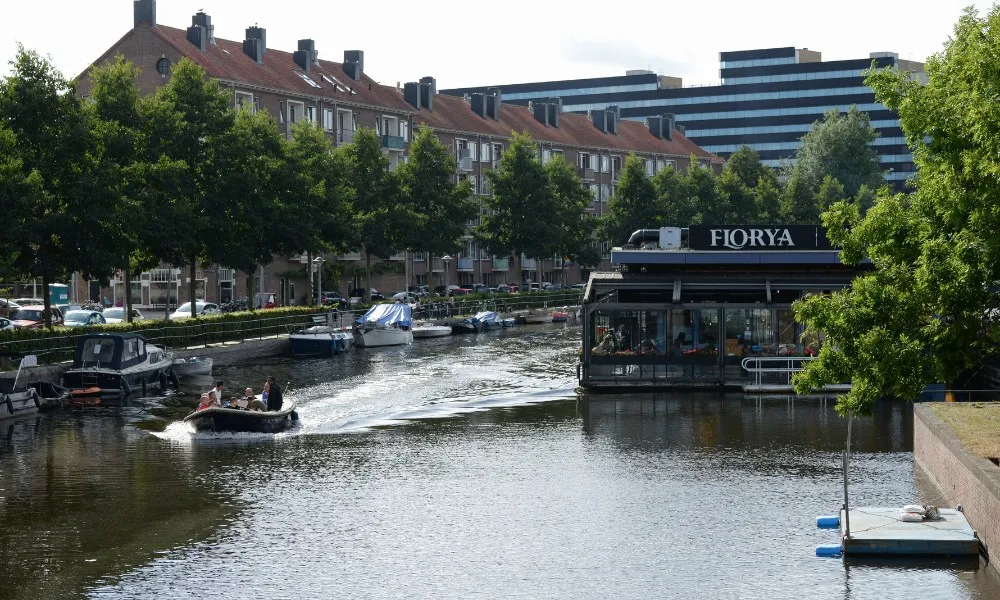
(437, 266)
(392, 142)
(586, 174)
(465, 264)
(501, 264)
(345, 136)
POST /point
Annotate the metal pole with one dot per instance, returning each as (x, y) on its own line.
(319, 275)
(847, 460)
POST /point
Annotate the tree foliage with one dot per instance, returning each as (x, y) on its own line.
(929, 308)
(840, 146)
(634, 204)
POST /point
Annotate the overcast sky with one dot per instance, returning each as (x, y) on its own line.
(496, 42)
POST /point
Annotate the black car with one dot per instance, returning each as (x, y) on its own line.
(333, 299)
(360, 293)
(440, 290)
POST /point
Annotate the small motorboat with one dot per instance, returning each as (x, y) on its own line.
(320, 340)
(537, 317)
(429, 330)
(384, 325)
(238, 420)
(465, 327)
(509, 322)
(108, 367)
(560, 316)
(17, 398)
(489, 319)
(196, 365)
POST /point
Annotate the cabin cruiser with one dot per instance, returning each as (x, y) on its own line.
(320, 340)
(108, 367)
(384, 325)
(489, 319)
(465, 326)
(430, 330)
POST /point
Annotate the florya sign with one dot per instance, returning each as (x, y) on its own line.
(757, 237)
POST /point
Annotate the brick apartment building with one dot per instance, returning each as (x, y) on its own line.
(341, 97)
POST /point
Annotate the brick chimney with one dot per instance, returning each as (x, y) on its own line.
(201, 33)
(306, 56)
(255, 44)
(354, 63)
(145, 12)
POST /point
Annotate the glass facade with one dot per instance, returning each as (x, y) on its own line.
(608, 89)
(794, 76)
(758, 62)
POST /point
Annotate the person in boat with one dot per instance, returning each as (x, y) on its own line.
(216, 392)
(207, 401)
(252, 402)
(274, 398)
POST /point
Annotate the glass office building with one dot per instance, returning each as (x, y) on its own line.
(768, 99)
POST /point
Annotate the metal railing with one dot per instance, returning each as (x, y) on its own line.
(760, 366)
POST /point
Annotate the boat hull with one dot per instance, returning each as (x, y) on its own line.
(320, 344)
(431, 331)
(241, 421)
(465, 328)
(537, 319)
(374, 338)
(18, 403)
(183, 368)
(101, 387)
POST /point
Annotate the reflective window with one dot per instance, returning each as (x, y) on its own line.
(758, 62)
(889, 141)
(793, 76)
(609, 89)
(764, 129)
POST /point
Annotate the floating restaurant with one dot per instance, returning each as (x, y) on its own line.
(685, 307)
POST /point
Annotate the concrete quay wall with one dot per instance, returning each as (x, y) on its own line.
(962, 478)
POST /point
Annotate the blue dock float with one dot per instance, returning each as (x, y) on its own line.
(880, 532)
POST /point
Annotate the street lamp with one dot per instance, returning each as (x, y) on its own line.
(446, 259)
(318, 262)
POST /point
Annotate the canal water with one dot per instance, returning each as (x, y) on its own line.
(456, 468)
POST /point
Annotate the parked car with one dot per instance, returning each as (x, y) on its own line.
(579, 286)
(32, 317)
(201, 308)
(6, 306)
(480, 288)
(421, 291)
(5, 324)
(29, 301)
(551, 287)
(505, 288)
(83, 318)
(333, 299)
(459, 291)
(408, 297)
(371, 296)
(117, 315)
(440, 290)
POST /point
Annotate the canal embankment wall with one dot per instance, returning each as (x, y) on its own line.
(961, 477)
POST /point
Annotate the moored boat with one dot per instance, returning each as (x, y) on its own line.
(196, 365)
(429, 330)
(108, 367)
(509, 322)
(560, 316)
(320, 340)
(465, 326)
(16, 398)
(384, 325)
(489, 319)
(239, 420)
(535, 318)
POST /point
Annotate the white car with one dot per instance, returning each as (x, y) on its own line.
(5, 324)
(117, 315)
(201, 308)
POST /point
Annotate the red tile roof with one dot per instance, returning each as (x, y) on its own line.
(225, 60)
(455, 114)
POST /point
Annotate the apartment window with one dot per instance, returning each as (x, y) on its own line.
(404, 130)
(462, 148)
(583, 160)
(605, 192)
(497, 151)
(311, 114)
(605, 164)
(659, 165)
(616, 166)
(594, 191)
(546, 156)
(557, 153)
(670, 165)
(346, 121)
(649, 167)
(484, 187)
(485, 155)
(295, 110)
(390, 126)
(328, 119)
(244, 101)
(475, 184)
(473, 147)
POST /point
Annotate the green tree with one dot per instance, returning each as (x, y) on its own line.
(56, 152)
(440, 207)
(574, 226)
(745, 164)
(840, 145)
(703, 187)
(634, 204)
(189, 122)
(521, 209)
(767, 201)
(380, 222)
(830, 192)
(674, 198)
(798, 201)
(738, 198)
(930, 307)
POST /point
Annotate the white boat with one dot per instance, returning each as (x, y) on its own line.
(429, 330)
(16, 398)
(536, 318)
(320, 340)
(384, 325)
(489, 319)
(509, 322)
(196, 365)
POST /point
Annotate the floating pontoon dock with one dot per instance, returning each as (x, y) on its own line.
(879, 531)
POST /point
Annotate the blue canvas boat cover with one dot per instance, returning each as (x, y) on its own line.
(485, 316)
(387, 314)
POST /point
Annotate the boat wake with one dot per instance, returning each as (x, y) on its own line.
(184, 433)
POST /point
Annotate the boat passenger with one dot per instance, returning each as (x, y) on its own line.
(252, 402)
(207, 401)
(219, 385)
(274, 399)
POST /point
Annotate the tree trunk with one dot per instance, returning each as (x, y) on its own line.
(309, 268)
(127, 276)
(191, 296)
(47, 302)
(430, 274)
(368, 276)
(250, 288)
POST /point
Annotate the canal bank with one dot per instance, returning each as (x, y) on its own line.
(963, 477)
